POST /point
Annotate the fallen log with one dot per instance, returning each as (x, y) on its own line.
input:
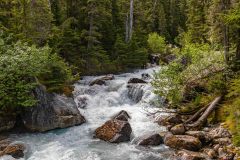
(207, 112)
(196, 115)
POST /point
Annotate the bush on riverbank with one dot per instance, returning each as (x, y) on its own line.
(21, 67)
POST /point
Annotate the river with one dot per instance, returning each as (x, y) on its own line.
(77, 143)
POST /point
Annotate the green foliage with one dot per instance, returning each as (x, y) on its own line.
(195, 63)
(156, 43)
(21, 65)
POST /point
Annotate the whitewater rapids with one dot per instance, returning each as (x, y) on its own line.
(77, 143)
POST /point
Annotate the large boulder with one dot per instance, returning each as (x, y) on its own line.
(136, 80)
(182, 142)
(114, 131)
(152, 139)
(7, 122)
(14, 149)
(190, 155)
(52, 111)
(178, 129)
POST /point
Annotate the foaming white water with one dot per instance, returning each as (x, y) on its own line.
(100, 104)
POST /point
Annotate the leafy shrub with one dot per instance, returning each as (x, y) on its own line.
(156, 43)
(21, 66)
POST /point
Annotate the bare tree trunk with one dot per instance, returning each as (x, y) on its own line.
(196, 115)
(131, 20)
(208, 111)
(127, 29)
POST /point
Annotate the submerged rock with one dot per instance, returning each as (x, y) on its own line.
(14, 150)
(136, 80)
(114, 131)
(182, 142)
(51, 112)
(152, 140)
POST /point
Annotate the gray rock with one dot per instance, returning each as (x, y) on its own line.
(136, 80)
(178, 129)
(152, 140)
(51, 112)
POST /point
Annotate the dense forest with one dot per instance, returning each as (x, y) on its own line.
(56, 42)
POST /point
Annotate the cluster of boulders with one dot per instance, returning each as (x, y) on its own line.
(118, 129)
(209, 143)
(8, 148)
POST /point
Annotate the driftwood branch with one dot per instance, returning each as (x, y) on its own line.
(206, 113)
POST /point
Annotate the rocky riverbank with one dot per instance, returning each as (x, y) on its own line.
(212, 142)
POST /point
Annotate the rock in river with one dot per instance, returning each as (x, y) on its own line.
(51, 112)
(136, 80)
(114, 131)
(15, 150)
(153, 140)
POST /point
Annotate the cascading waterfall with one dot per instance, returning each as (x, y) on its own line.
(98, 104)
